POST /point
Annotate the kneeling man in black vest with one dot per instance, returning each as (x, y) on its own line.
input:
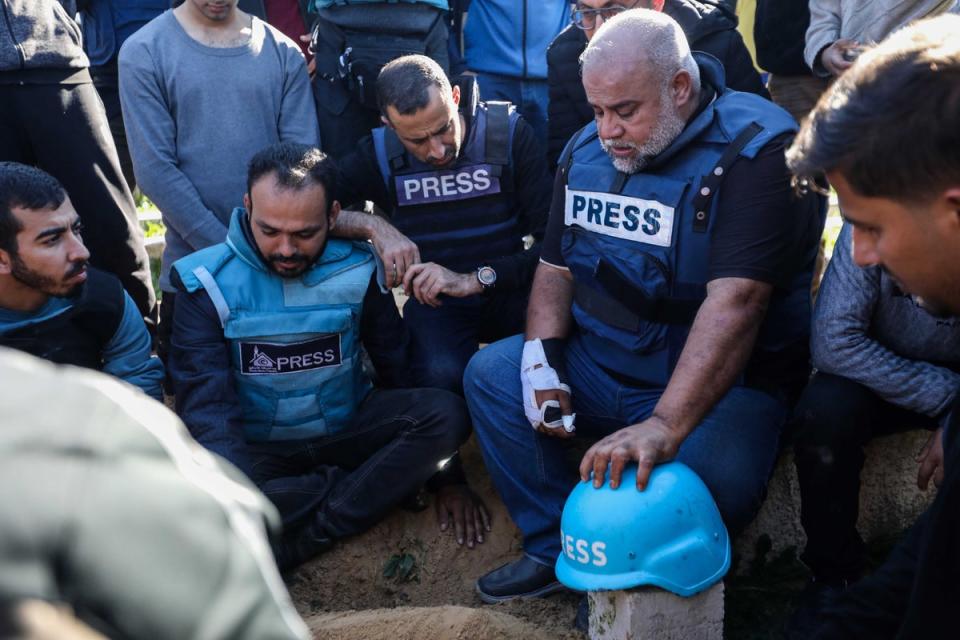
(278, 339)
(53, 305)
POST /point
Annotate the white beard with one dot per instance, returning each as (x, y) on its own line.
(669, 126)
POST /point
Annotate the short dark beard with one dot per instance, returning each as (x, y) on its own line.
(269, 260)
(39, 282)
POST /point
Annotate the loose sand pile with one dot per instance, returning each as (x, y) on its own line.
(435, 623)
(343, 594)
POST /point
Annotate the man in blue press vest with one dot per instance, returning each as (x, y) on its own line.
(669, 316)
(268, 353)
(462, 182)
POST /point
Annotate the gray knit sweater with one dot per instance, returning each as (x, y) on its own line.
(196, 115)
(865, 329)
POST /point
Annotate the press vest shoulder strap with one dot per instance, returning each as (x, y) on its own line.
(213, 292)
(580, 139)
(212, 259)
(497, 141)
(390, 152)
(711, 182)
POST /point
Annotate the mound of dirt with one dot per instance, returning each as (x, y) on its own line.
(416, 623)
(438, 591)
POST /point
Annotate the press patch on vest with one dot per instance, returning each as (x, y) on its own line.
(446, 186)
(647, 221)
(269, 358)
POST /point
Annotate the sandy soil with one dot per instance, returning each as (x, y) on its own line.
(437, 623)
(343, 594)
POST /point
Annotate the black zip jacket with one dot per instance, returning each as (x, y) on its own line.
(709, 28)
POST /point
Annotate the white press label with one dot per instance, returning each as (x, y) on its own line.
(636, 219)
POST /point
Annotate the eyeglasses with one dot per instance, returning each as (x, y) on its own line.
(587, 18)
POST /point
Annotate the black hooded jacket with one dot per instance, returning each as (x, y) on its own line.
(709, 28)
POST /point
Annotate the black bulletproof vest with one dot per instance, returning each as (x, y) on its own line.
(79, 335)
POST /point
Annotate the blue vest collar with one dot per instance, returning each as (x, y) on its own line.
(242, 246)
(700, 127)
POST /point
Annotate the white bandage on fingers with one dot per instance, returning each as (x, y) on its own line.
(536, 374)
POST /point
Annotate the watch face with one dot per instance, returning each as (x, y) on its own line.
(487, 276)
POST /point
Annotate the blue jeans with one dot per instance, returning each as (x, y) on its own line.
(445, 337)
(530, 97)
(733, 449)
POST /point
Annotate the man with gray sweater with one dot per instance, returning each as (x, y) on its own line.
(203, 88)
(883, 364)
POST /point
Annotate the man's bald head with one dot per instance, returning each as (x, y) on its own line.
(641, 39)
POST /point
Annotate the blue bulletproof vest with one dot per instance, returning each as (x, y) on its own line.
(638, 245)
(295, 346)
(461, 216)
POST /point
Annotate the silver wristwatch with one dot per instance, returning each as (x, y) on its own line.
(487, 278)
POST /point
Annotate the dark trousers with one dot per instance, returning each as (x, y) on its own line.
(833, 421)
(347, 482)
(164, 332)
(916, 592)
(108, 88)
(62, 129)
(446, 337)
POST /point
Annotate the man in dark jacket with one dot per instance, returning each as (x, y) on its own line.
(50, 116)
(709, 27)
(780, 32)
(893, 161)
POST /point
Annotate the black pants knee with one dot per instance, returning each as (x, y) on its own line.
(346, 482)
(833, 421)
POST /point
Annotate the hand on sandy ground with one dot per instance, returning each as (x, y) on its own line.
(459, 505)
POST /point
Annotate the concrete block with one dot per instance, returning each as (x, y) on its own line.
(889, 498)
(653, 614)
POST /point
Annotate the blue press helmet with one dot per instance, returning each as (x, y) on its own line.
(669, 535)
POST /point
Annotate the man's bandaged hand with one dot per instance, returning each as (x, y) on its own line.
(538, 372)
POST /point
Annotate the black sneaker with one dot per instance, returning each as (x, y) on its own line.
(582, 621)
(812, 602)
(522, 578)
(300, 545)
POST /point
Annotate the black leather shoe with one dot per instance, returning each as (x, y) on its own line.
(816, 596)
(523, 578)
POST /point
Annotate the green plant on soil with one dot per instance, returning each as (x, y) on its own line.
(401, 567)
